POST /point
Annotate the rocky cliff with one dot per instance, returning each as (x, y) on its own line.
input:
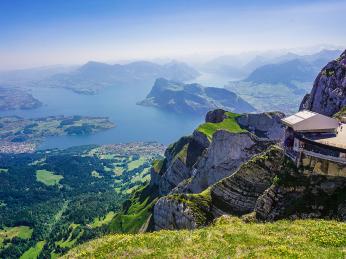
(296, 194)
(328, 94)
(214, 151)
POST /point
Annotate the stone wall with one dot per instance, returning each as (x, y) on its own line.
(322, 167)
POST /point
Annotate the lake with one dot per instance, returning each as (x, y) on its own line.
(133, 122)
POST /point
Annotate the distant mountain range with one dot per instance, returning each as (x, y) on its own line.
(292, 67)
(94, 76)
(193, 98)
(284, 82)
(241, 66)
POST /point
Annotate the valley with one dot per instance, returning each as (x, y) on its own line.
(52, 200)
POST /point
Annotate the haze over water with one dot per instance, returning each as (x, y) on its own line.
(133, 122)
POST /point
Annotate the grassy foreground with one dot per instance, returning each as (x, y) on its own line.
(228, 237)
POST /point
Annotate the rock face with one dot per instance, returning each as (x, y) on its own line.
(215, 116)
(238, 193)
(328, 94)
(226, 153)
(171, 214)
(265, 125)
(303, 196)
(193, 99)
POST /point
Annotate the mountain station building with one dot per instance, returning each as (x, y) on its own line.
(313, 135)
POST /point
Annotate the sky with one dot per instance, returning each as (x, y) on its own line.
(40, 32)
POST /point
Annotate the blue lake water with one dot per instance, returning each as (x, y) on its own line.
(133, 122)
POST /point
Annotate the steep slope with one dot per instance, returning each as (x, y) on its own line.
(193, 98)
(328, 94)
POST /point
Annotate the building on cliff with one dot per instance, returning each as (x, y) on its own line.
(311, 137)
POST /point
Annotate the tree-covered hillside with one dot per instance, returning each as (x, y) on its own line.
(53, 200)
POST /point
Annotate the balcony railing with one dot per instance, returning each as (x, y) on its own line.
(324, 157)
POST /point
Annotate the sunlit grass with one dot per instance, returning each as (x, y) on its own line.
(229, 237)
(48, 178)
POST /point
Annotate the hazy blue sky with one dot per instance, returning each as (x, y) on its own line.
(42, 32)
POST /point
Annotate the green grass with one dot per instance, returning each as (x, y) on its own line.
(48, 178)
(34, 252)
(230, 124)
(136, 163)
(98, 222)
(229, 237)
(23, 232)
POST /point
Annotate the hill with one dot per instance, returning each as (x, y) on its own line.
(227, 237)
(12, 99)
(193, 98)
(93, 77)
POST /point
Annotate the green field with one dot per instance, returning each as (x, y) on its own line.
(136, 163)
(48, 178)
(23, 232)
(230, 124)
(33, 252)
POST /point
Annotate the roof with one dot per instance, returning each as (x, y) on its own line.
(310, 121)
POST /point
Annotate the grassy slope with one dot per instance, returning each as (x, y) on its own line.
(33, 252)
(228, 237)
(137, 212)
(229, 124)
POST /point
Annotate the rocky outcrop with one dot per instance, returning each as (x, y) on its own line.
(238, 193)
(265, 125)
(302, 195)
(328, 94)
(177, 164)
(226, 153)
(195, 163)
(215, 116)
(182, 211)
